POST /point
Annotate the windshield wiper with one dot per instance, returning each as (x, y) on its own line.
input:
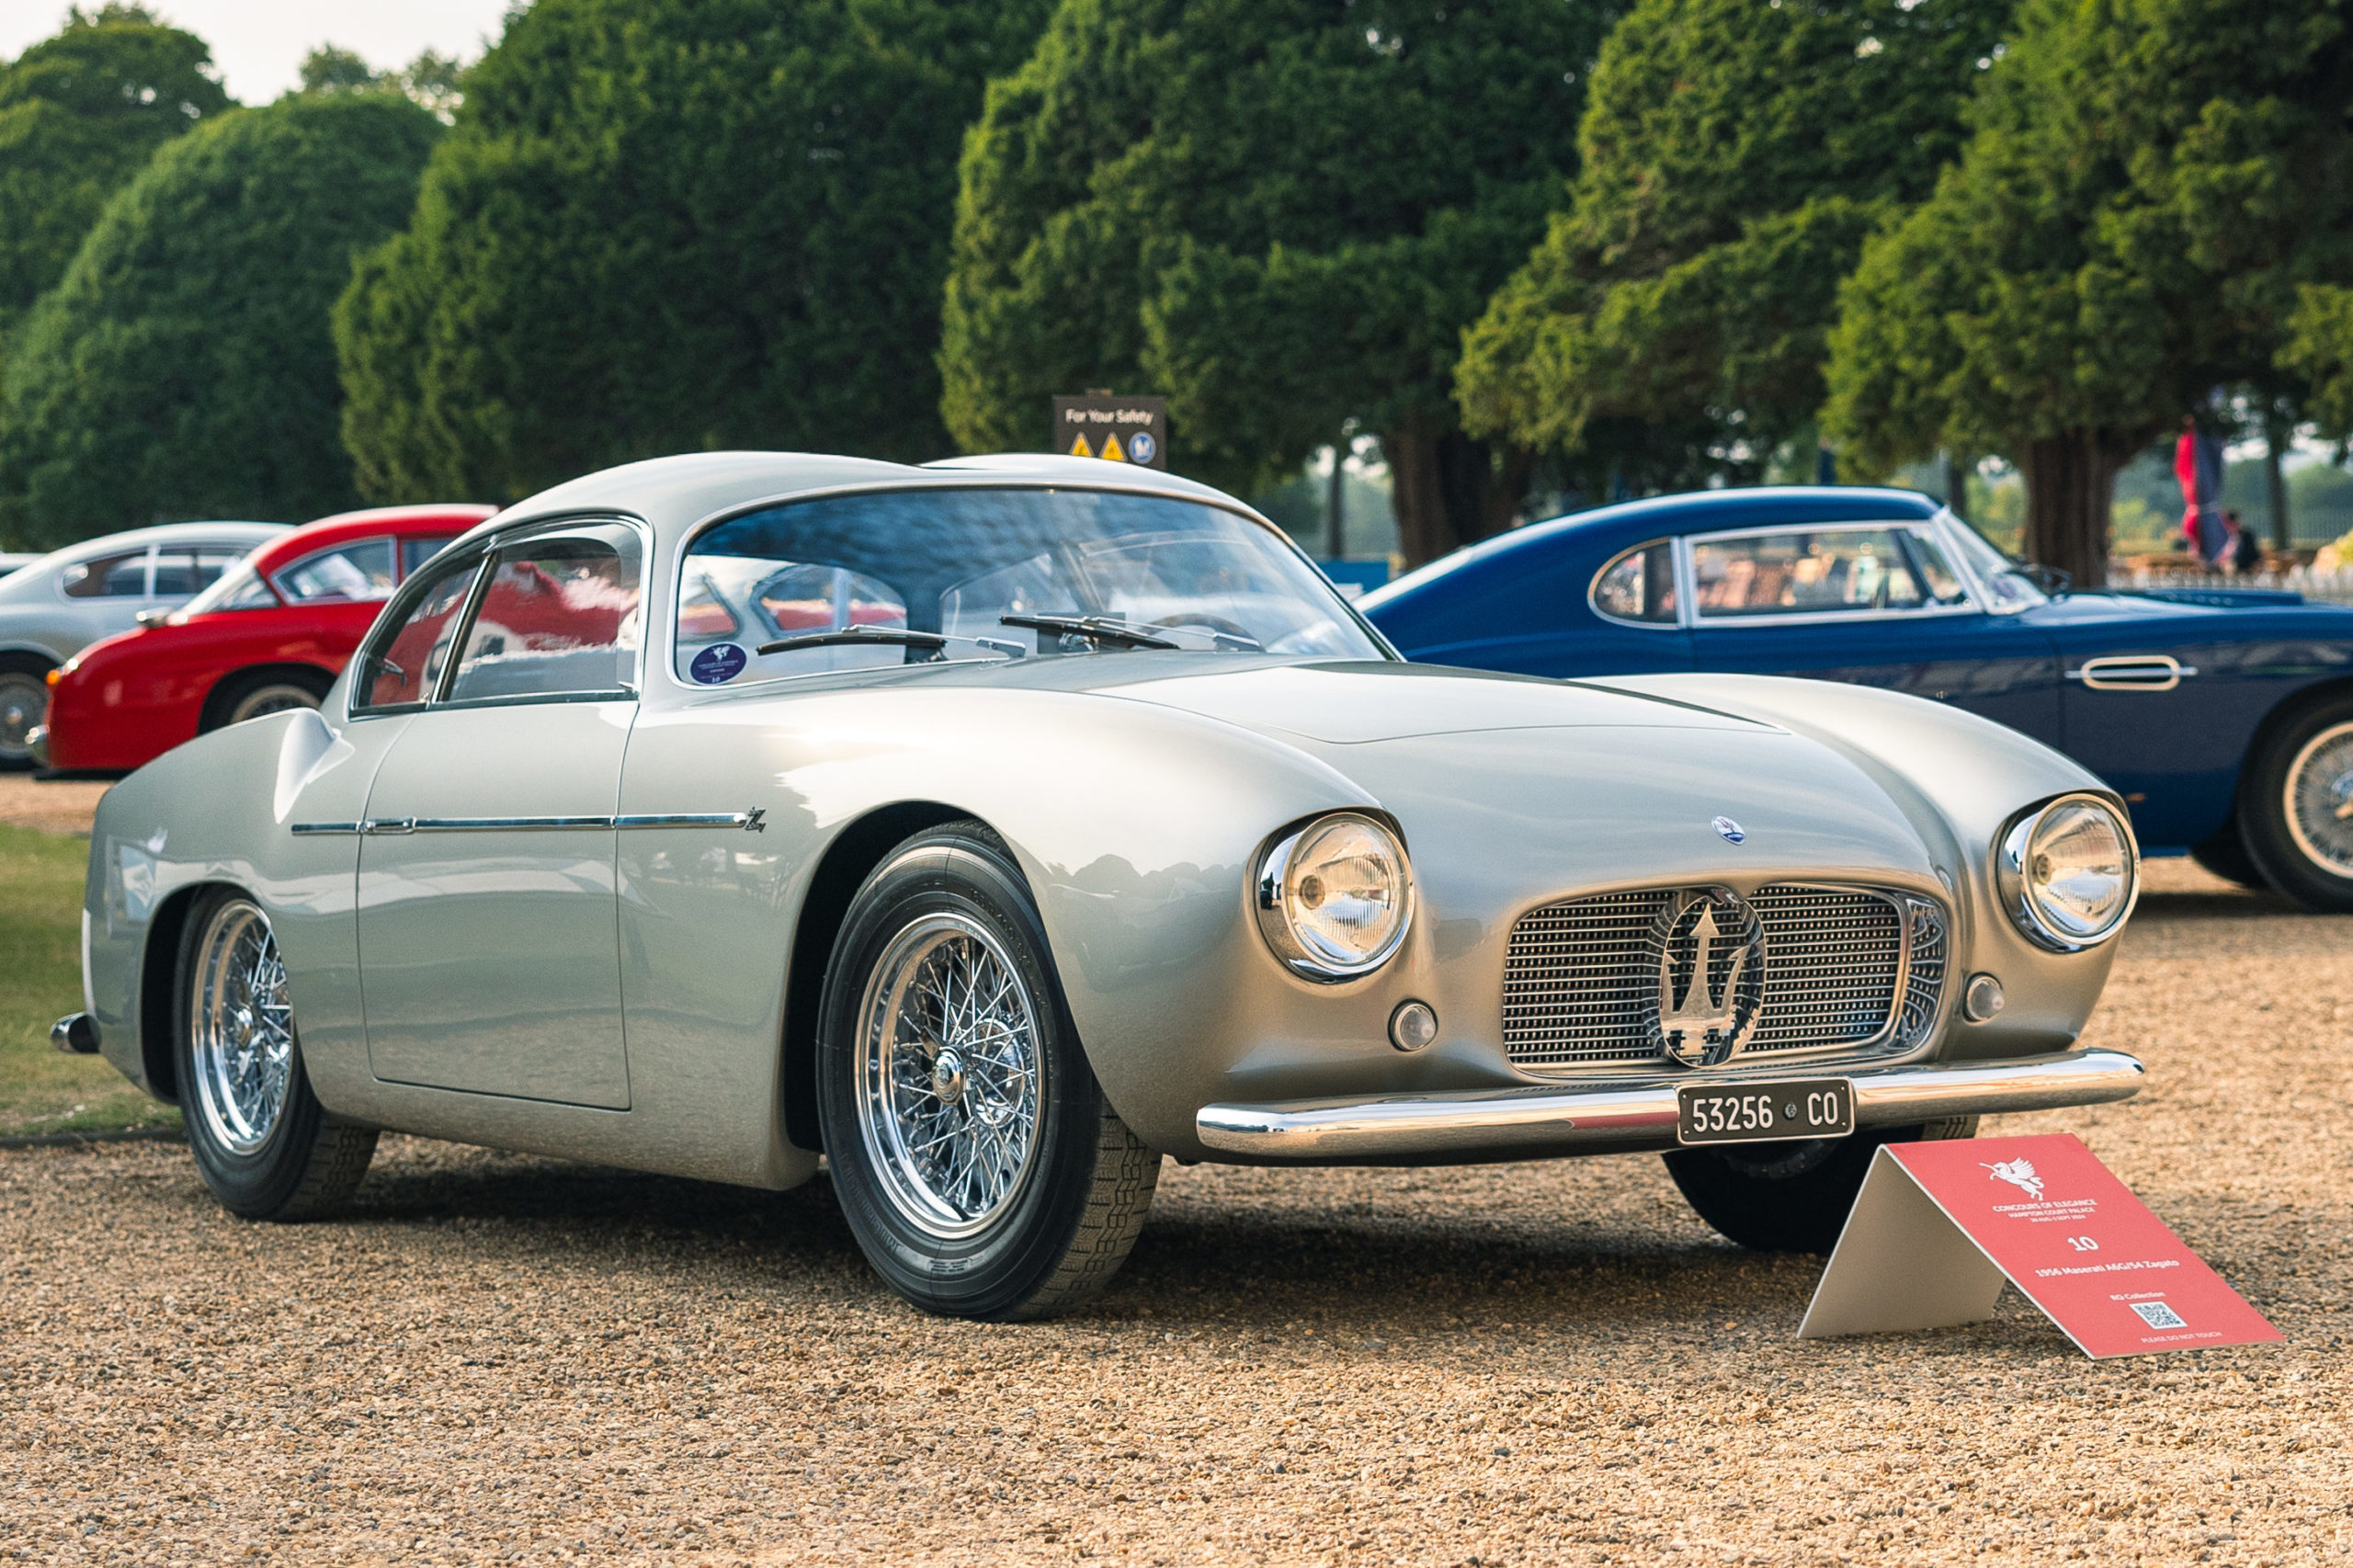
(1093, 628)
(931, 641)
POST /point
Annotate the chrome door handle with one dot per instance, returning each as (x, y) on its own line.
(2132, 672)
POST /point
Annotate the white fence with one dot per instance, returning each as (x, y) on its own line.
(2334, 586)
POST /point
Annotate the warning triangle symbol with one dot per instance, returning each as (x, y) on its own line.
(1111, 453)
(1079, 448)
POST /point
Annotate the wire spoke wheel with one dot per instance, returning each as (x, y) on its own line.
(24, 703)
(949, 1075)
(242, 1035)
(2319, 799)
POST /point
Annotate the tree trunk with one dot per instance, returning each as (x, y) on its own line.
(2070, 483)
(1335, 535)
(2277, 434)
(1447, 489)
(1956, 472)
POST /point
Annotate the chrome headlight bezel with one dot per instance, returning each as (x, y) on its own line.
(2013, 849)
(1271, 890)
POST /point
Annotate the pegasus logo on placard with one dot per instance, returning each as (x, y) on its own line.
(1707, 1023)
(2020, 1175)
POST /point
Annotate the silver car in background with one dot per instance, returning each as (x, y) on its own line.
(56, 605)
(997, 827)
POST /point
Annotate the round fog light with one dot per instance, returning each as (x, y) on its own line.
(1982, 999)
(1413, 1025)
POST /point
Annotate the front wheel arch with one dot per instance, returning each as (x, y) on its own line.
(854, 852)
(157, 999)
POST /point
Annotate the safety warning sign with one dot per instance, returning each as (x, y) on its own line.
(1117, 430)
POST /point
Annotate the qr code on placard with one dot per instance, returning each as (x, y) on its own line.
(2156, 1314)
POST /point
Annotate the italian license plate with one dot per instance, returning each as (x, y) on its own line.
(1759, 1113)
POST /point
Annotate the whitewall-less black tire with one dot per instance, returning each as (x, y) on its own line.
(1789, 1197)
(2296, 807)
(980, 1168)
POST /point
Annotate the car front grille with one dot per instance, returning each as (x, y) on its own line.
(1846, 969)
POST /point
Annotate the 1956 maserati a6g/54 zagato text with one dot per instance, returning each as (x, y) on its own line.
(997, 827)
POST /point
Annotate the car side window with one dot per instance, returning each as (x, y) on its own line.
(181, 574)
(558, 619)
(1943, 584)
(1639, 585)
(358, 570)
(415, 552)
(1803, 572)
(404, 671)
(107, 577)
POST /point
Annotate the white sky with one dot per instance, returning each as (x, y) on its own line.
(259, 45)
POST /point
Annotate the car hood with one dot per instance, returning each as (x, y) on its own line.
(1594, 786)
(1353, 704)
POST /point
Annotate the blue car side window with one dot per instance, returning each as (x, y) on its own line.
(1638, 586)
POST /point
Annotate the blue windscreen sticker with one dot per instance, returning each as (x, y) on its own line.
(717, 664)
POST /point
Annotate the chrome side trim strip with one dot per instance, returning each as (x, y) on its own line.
(750, 821)
(1641, 1112)
(500, 825)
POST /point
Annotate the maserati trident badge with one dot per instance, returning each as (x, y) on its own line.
(1710, 949)
(1732, 831)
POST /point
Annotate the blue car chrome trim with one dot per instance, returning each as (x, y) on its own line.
(2132, 672)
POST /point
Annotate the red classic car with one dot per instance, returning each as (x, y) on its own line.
(272, 633)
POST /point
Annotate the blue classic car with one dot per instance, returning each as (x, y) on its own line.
(2224, 717)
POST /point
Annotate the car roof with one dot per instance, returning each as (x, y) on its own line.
(1633, 522)
(234, 532)
(450, 518)
(674, 493)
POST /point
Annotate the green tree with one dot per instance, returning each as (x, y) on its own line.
(1734, 156)
(81, 113)
(1280, 213)
(2146, 186)
(183, 367)
(674, 226)
(433, 80)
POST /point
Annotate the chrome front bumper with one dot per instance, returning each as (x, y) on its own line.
(1636, 1115)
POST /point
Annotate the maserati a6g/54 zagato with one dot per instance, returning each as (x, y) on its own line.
(996, 828)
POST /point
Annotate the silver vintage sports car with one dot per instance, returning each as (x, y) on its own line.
(995, 827)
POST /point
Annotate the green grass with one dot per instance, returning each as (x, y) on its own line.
(41, 939)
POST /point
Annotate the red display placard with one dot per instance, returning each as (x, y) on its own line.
(1938, 1226)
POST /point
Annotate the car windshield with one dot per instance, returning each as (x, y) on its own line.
(2010, 588)
(925, 575)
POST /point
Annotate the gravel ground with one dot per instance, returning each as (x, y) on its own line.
(53, 805)
(504, 1358)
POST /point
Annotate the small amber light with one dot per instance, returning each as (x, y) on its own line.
(56, 676)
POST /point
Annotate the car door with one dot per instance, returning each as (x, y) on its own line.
(2161, 702)
(105, 593)
(488, 955)
(1874, 603)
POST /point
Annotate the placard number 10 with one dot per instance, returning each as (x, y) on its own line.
(2083, 1243)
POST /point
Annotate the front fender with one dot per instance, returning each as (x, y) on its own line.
(217, 812)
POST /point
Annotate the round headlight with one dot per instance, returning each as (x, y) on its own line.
(2068, 872)
(1335, 898)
